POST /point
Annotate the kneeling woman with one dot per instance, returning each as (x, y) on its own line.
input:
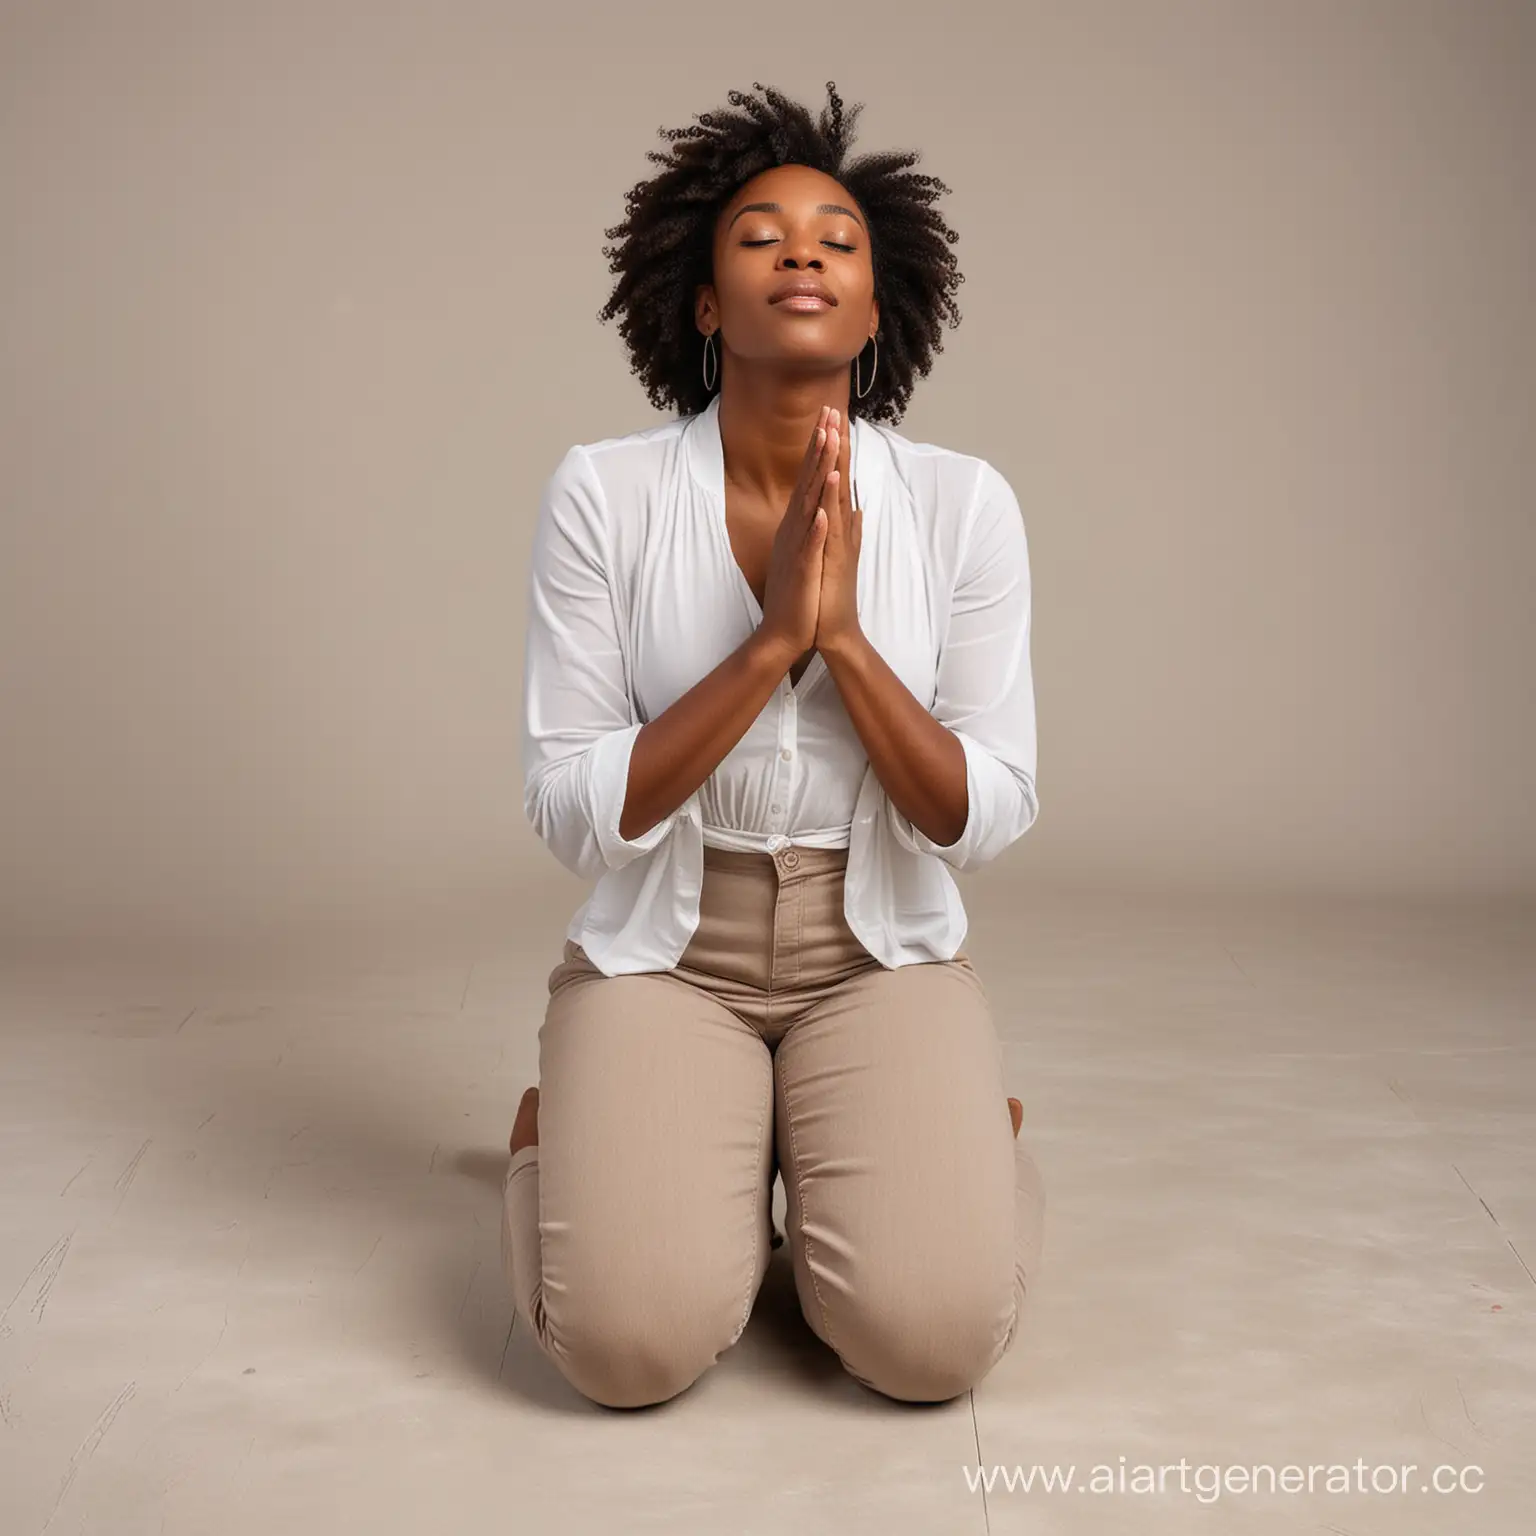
(778, 688)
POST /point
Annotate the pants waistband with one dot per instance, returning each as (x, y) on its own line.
(787, 859)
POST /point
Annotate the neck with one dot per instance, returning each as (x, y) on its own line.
(766, 426)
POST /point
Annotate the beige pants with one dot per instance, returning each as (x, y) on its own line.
(637, 1232)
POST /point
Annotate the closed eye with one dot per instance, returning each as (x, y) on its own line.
(833, 243)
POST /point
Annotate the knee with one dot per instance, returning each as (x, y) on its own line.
(623, 1362)
(921, 1344)
(643, 1347)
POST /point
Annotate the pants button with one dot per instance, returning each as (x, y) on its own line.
(791, 859)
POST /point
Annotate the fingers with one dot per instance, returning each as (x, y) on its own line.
(836, 497)
(824, 465)
(813, 448)
(814, 453)
(826, 462)
(823, 479)
(832, 449)
(820, 518)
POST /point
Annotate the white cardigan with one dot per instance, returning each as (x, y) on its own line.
(634, 595)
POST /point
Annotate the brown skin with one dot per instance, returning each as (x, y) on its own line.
(779, 371)
(785, 381)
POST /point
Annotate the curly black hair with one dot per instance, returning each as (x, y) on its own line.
(666, 247)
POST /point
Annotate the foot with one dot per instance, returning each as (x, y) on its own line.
(525, 1127)
(1016, 1110)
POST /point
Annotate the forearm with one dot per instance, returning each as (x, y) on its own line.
(919, 762)
(674, 753)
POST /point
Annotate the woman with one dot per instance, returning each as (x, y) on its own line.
(777, 688)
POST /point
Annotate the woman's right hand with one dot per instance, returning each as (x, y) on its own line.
(792, 589)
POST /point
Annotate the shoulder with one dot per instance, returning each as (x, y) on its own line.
(947, 485)
(624, 456)
(597, 474)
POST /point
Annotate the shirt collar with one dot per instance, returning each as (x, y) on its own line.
(706, 454)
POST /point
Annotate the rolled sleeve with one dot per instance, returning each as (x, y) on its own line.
(579, 728)
(985, 691)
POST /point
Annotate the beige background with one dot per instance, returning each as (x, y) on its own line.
(297, 311)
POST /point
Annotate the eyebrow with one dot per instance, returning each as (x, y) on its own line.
(779, 208)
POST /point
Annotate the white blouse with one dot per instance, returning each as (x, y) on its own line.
(634, 595)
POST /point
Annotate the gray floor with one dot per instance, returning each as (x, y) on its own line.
(249, 1255)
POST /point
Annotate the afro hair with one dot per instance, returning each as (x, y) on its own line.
(666, 244)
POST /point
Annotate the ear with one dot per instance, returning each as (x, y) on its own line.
(704, 308)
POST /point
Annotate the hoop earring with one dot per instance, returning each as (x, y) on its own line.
(862, 392)
(709, 347)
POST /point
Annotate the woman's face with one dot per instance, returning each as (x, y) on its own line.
(790, 224)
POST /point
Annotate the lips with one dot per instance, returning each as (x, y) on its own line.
(803, 288)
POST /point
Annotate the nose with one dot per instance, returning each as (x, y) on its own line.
(795, 254)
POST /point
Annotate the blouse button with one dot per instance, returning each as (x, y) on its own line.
(786, 754)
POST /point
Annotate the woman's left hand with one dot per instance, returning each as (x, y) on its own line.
(838, 621)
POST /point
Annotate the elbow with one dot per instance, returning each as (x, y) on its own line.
(575, 803)
(557, 822)
(1009, 816)
(1019, 809)
(1000, 807)
(1029, 803)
